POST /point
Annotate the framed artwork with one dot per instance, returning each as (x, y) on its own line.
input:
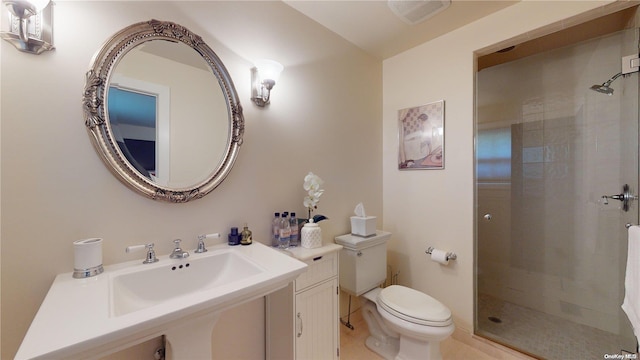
(421, 137)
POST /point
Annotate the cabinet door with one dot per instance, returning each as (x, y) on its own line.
(316, 319)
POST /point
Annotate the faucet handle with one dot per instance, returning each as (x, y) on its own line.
(151, 254)
(201, 238)
(177, 243)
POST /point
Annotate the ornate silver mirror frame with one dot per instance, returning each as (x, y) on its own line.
(99, 128)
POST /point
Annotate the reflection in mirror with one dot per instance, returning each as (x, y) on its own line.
(185, 89)
(163, 112)
(133, 118)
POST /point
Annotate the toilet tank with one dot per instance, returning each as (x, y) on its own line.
(363, 262)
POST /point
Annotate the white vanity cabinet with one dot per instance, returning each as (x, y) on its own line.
(302, 319)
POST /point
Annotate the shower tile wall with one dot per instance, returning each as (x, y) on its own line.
(550, 244)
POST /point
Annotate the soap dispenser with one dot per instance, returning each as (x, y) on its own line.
(245, 236)
(234, 237)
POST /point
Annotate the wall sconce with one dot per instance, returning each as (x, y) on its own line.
(263, 78)
(30, 25)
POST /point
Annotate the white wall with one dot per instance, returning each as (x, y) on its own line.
(55, 189)
(436, 207)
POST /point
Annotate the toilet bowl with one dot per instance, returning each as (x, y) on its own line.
(404, 324)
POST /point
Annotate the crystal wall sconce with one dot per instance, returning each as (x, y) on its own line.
(263, 78)
(30, 25)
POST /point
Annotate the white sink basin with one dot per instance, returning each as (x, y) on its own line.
(132, 302)
(143, 287)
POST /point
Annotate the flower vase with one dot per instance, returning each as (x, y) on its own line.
(311, 235)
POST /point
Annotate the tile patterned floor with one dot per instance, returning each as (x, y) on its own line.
(545, 335)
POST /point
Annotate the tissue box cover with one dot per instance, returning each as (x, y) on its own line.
(363, 226)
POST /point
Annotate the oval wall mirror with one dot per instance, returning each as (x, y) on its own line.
(162, 111)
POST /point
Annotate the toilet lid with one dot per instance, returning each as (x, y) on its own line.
(414, 306)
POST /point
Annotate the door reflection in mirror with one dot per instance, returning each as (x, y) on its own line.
(133, 122)
(142, 113)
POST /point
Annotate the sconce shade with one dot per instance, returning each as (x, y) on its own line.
(21, 9)
(25, 9)
(268, 70)
(39, 4)
(264, 76)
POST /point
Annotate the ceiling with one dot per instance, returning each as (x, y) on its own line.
(372, 26)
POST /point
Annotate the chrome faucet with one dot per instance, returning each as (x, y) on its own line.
(177, 252)
(151, 254)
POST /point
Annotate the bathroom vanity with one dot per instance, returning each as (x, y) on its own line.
(303, 318)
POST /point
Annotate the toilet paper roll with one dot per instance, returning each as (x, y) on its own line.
(87, 254)
(439, 256)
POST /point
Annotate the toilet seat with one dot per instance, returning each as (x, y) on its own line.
(414, 306)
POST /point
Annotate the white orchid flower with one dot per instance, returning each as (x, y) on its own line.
(309, 203)
(312, 183)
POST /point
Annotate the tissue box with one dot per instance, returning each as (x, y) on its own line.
(363, 226)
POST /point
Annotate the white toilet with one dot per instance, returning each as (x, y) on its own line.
(404, 324)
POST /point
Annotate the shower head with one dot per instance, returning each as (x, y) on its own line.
(605, 87)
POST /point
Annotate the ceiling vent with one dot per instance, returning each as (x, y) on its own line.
(416, 11)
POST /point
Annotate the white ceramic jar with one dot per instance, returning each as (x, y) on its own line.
(311, 235)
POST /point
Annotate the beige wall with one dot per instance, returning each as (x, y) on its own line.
(436, 207)
(56, 190)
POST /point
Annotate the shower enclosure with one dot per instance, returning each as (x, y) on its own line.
(551, 242)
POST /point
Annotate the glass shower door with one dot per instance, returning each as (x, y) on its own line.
(551, 248)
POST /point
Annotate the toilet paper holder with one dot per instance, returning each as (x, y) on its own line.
(450, 255)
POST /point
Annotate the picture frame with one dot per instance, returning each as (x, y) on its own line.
(421, 137)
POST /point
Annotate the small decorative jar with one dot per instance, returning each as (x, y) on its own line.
(245, 236)
(311, 235)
